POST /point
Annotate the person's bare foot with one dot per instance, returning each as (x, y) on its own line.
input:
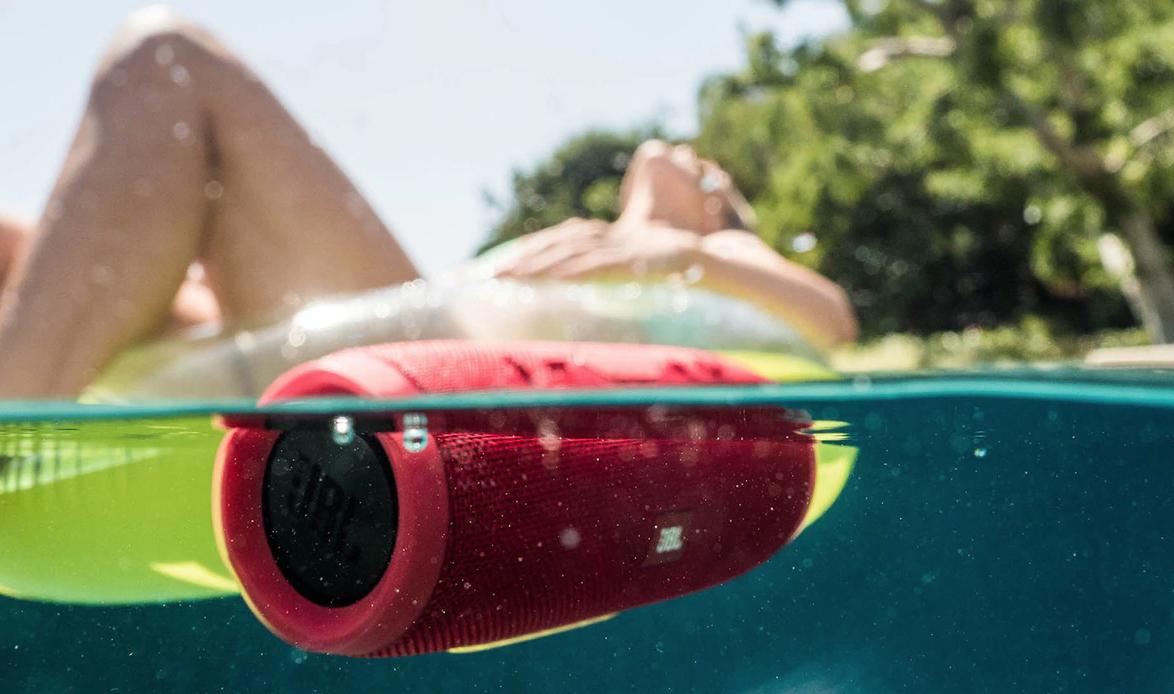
(671, 185)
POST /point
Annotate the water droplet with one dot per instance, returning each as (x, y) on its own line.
(342, 430)
(980, 452)
(245, 341)
(213, 190)
(804, 242)
(1032, 214)
(179, 75)
(181, 130)
(164, 54)
(297, 337)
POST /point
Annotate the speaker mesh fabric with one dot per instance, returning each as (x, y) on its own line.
(542, 538)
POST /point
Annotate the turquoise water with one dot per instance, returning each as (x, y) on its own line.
(1001, 532)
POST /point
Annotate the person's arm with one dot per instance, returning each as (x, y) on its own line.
(733, 262)
(740, 264)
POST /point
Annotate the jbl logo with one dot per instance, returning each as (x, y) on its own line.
(668, 537)
(323, 509)
(670, 540)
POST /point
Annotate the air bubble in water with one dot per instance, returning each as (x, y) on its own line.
(548, 436)
(551, 441)
(342, 430)
(569, 538)
(416, 432)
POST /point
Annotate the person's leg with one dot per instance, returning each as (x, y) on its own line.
(15, 231)
(182, 154)
(194, 303)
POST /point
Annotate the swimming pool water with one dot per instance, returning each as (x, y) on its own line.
(985, 542)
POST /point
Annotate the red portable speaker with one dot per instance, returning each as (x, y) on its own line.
(407, 533)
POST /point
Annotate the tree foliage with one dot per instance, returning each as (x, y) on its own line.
(958, 162)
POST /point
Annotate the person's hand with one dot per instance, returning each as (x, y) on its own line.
(596, 250)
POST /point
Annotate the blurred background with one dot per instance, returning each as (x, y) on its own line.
(989, 179)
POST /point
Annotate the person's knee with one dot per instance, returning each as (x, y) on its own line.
(156, 42)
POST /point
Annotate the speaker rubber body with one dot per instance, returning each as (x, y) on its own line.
(507, 522)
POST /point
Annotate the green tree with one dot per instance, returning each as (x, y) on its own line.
(1061, 103)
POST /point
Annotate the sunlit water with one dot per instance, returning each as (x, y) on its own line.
(992, 538)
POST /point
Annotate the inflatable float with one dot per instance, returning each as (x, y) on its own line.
(117, 512)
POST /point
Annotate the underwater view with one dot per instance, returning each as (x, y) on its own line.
(997, 533)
